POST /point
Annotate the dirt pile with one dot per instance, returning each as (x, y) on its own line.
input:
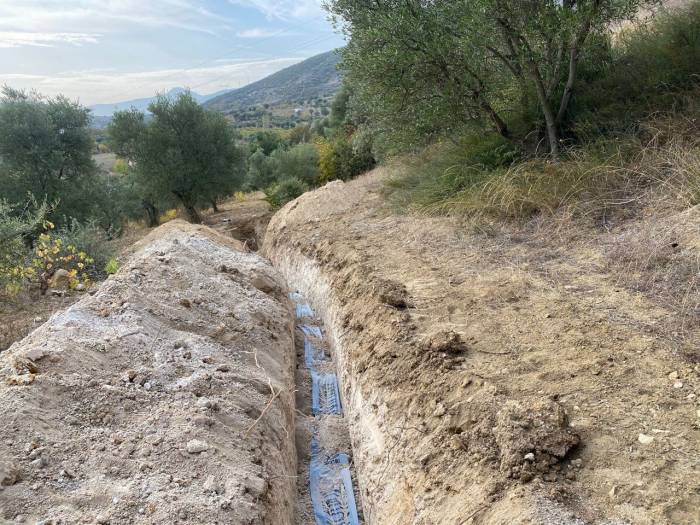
(167, 397)
(505, 376)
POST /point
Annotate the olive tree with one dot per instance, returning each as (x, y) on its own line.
(184, 151)
(46, 151)
(421, 68)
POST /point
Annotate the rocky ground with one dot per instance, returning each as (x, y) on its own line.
(538, 373)
(148, 401)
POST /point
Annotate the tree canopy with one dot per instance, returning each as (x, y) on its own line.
(183, 151)
(46, 152)
(423, 69)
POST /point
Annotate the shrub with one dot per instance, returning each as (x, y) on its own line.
(284, 191)
(90, 239)
(299, 162)
(111, 267)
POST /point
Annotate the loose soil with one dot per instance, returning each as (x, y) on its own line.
(538, 373)
(165, 397)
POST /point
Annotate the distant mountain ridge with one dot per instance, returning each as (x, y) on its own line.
(315, 77)
(107, 110)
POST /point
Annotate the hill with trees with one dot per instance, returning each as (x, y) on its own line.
(314, 78)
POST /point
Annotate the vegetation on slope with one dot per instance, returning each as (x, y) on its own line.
(315, 77)
(469, 113)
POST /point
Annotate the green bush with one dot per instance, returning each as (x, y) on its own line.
(13, 251)
(645, 69)
(284, 191)
(89, 238)
(299, 162)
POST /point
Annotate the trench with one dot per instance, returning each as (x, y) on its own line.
(326, 486)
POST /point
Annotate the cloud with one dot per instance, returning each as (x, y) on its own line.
(257, 32)
(100, 86)
(10, 39)
(87, 16)
(285, 9)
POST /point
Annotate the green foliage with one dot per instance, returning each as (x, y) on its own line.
(301, 134)
(262, 171)
(111, 267)
(344, 159)
(646, 69)
(185, 152)
(299, 162)
(267, 141)
(284, 191)
(46, 150)
(15, 225)
(425, 70)
(87, 237)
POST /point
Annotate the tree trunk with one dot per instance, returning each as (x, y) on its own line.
(547, 112)
(151, 214)
(573, 67)
(214, 206)
(499, 124)
(192, 214)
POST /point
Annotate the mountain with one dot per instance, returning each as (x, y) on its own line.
(107, 110)
(315, 77)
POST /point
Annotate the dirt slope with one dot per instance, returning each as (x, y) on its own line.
(151, 402)
(519, 376)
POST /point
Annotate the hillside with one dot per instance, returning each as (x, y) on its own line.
(315, 77)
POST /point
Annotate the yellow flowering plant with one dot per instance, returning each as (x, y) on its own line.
(51, 254)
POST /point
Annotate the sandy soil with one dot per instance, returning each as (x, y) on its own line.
(545, 373)
(167, 397)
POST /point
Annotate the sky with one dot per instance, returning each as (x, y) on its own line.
(103, 51)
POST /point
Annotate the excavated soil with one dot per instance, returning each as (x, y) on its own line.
(521, 374)
(166, 397)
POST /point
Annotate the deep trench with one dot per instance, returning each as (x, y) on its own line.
(328, 492)
(326, 486)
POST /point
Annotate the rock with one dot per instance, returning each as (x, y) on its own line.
(457, 443)
(196, 446)
(213, 486)
(206, 403)
(678, 384)
(129, 376)
(60, 279)
(444, 342)
(9, 474)
(102, 519)
(439, 410)
(530, 457)
(80, 287)
(186, 303)
(264, 283)
(673, 375)
(644, 439)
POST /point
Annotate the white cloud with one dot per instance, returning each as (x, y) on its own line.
(20, 38)
(100, 86)
(285, 9)
(257, 32)
(87, 16)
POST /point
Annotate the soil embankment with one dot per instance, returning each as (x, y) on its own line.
(167, 397)
(507, 376)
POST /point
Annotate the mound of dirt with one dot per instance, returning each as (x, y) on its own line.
(166, 397)
(503, 377)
